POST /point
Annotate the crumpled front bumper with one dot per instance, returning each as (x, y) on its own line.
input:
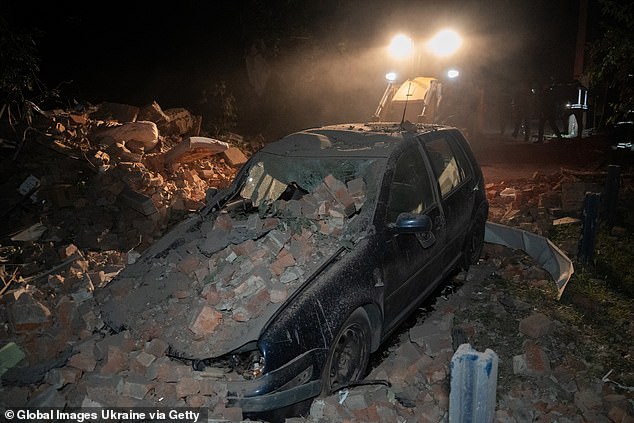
(296, 381)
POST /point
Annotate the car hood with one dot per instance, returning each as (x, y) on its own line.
(213, 282)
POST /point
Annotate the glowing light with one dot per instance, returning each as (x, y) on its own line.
(453, 73)
(401, 47)
(445, 43)
(390, 76)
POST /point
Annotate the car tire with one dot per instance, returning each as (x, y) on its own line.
(349, 353)
(475, 239)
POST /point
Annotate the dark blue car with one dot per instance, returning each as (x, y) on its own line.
(324, 243)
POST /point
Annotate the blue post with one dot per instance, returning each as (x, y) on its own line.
(474, 378)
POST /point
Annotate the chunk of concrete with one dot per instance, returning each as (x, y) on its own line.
(193, 149)
(473, 385)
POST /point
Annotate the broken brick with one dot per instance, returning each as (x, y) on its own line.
(189, 264)
(284, 259)
(234, 157)
(140, 362)
(134, 386)
(205, 321)
(187, 386)
(536, 325)
(117, 361)
(157, 347)
(27, 314)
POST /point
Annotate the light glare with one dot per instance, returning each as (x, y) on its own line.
(445, 43)
(401, 47)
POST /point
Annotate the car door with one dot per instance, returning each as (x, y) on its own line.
(456, 184)
(410, 268)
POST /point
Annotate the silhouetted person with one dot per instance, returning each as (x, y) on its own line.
(547, 110)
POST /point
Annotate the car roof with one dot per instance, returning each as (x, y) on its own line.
(350, 140)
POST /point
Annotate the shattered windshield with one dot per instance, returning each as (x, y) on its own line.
(338, 186)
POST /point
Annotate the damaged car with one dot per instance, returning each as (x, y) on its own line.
(287, 281)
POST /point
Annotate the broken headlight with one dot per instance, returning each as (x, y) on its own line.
(246, 361)
(249, 365)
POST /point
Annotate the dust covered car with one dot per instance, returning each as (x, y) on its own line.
(325, 241)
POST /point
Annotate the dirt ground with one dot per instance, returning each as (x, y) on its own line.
(506, 158)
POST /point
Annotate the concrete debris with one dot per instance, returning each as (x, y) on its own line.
(473, 385)
(235, 269)
(135, 137)
(104, 204)
(193, 149)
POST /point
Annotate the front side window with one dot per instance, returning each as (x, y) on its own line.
(446, 167)
(410, 191)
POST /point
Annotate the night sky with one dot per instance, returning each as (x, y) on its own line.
(320, 62)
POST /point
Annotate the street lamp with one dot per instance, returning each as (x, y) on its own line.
(401, 47)
(445, 43)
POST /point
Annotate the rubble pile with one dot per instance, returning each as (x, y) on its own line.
(85, 193)
(232, 269)
(115, 178)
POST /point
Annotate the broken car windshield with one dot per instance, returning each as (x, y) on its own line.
(274, 178)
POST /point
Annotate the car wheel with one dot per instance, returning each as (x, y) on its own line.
(475, 239)
(349, 353)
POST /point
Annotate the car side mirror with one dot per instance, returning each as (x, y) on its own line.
(412, 223)
(418, 224)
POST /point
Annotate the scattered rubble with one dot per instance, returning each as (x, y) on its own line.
(99, 197)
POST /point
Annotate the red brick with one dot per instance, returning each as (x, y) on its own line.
(189, 264)
(537, 361)
(241, 314)
(223, 223)
(536, 325)
(28, 314)
(197, 401)
(205, 321)
(117, 361)
(62, 376)
(140, 362)
(157, 347)
(232, 414)
(187, 386)
(210, 293)
(258, 302)
(284, 259)
(85, 360)
(234, 157)
(134, 386)
(278, 293)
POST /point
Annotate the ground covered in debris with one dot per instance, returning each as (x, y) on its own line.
(87, 192)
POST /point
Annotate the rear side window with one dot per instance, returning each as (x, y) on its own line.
(447, 168)
(410, 190)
